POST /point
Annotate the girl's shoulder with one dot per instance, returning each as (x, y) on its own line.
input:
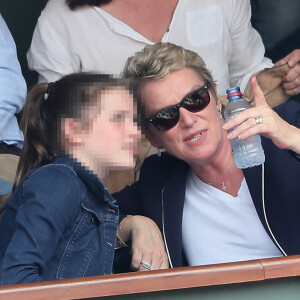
(52, 169)
(54, 180)
(54, 190)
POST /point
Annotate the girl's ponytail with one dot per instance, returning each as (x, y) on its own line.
(38, 131)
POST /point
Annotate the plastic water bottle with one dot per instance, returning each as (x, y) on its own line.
(247, 152)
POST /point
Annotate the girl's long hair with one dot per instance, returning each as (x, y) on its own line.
(36, 149)
(73, 4)
(47, 105)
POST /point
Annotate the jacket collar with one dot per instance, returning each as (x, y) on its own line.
(173, 195)
(98, 199)
(253, 178)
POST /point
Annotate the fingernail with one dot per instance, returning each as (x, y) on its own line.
(225, 126)
(229, 135)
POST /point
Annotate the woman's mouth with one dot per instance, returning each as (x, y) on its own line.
(195, 138)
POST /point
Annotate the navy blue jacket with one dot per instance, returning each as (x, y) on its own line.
(160, 192)
(60, 223)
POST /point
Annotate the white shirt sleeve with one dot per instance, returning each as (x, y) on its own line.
(50, 53)
(248, 51)
(88, 39)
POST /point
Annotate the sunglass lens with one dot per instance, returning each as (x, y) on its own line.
(166, 119)
(197, 100)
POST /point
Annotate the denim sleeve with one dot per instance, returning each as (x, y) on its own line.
(50, 204)
(12, 88)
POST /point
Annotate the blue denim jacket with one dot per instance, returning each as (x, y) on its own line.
(60, 223)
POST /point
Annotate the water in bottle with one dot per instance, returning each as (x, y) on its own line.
(247, 152)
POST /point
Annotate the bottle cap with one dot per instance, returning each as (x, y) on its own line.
(234, 93)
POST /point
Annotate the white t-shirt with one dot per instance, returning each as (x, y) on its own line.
(89, 39)
(220, 228)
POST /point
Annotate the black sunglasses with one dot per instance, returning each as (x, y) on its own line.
(168, 117)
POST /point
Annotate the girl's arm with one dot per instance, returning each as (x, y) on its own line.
(46, 206)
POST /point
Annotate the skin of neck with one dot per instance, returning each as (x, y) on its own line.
(79, 154)
(73, 144)
(215, 170)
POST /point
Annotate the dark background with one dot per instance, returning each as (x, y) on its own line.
(21, 17)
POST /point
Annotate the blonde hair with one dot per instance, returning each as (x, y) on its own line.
(158, 60)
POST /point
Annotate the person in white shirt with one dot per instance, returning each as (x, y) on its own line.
(102, 37)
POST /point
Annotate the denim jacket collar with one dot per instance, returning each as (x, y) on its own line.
(95, 186)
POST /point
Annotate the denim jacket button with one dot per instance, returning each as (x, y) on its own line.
(93, 220)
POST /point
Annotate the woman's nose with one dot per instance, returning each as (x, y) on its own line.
(187, 118)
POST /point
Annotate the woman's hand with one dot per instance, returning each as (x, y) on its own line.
(283, 135)
(291, 81)
(147, 245)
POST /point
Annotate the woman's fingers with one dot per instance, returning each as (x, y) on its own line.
(250, 114)
(159, 256)
(165, 262)
(291, 81)
(148, 250)
(259, 98)
(292, 59)
(136, 259)
(246, 119)
(261, 119)
(249, 127)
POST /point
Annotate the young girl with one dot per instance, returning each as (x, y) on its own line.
(61, 222)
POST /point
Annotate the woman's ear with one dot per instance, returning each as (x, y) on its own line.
(72, 132)
(152, 140)
(219, 105)
(218, 100)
